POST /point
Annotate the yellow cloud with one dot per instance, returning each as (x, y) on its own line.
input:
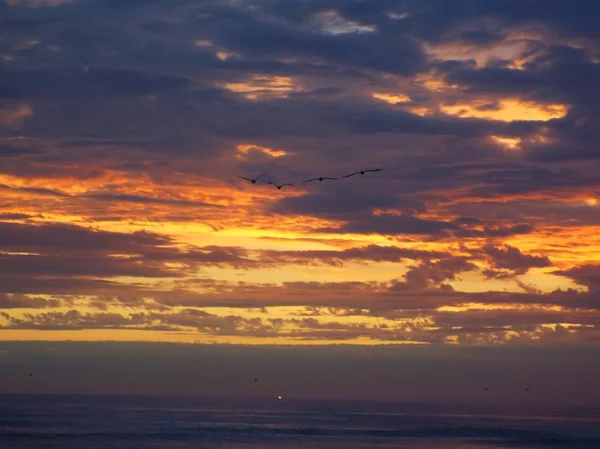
(507, 111)
(510, 143)
(391, 98)
(500, 306)
(263, 86)
(245, 148)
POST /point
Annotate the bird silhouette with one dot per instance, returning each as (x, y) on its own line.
(280, 186)
(253, 181)
(321, 178)
(486, 388)
(362, 172)
(527, 389)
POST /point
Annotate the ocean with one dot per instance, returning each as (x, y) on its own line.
(100, 422)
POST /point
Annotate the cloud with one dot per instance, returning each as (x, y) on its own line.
(587, 275)
(14, 115)
(37, 3)
(36, 256)
(394, 224)
(134, 125)
(250, 34)
(88, 83)
(511, 258)
(370, 253)
(8, 151)
(431, 275)
(76, 238)
(472, 326)
(187, 318)
(21, 302)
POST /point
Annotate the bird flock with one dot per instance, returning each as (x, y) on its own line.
(320, 178)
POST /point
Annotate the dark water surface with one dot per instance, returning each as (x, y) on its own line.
(68, 422)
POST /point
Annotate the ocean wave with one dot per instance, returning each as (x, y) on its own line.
(490, 436)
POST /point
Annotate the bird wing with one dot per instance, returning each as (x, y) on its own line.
(375, 169)
(310, 180)
(247, 179)
(351, 174)
(256, 179)
(334, 179)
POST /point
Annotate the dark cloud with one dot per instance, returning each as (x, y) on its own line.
(22, 302)
(587, 275)
(546, 80)
(482, 37)
(394, 224)
(371, 253)
(511, 258)
(525, 180)
(428, 275)
(433, 327)
(343, 201)
(118, 198)
(70, 237)
(8, 151)
(14, 216)
(42, 267)
(251, 34)
(91, 82)
(41, 256)
(547, 211)
(187, 318)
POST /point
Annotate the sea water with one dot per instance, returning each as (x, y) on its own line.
(100, 422)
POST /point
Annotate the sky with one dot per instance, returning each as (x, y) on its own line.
(125, 125)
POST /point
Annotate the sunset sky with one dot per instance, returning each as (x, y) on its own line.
(124, 126)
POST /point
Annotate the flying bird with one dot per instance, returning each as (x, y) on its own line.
(321, 178)
(527, 389)
(486, 388)
(253, 181)
(362, 172)
(280, 186)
